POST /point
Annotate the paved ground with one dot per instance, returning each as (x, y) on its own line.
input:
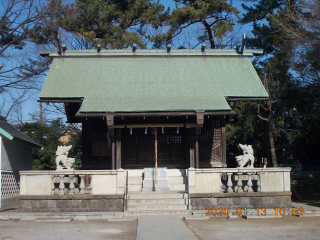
(287, 227)
(166, 227)
(163, 227)
(95, 229)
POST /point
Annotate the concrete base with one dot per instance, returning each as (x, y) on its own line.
(9, 201)
(72, 203)
(240, 200)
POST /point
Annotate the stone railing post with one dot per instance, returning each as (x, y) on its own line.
(249, 184)
(71, 186)
(82, 186)
(222, 186)
(61, 185)
(52, 184)
(239, 184)
(229, 183)
(258, 182)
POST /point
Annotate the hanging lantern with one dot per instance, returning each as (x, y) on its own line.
(131, 131)
(146, 131)
(177, 130)
(162, 130)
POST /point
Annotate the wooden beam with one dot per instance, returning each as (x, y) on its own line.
(156, 114)
(156, 125)
(200, 119)
(110, 123)
(118, 148)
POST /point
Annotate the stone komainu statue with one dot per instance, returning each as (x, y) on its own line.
(247, 156)
(62, 157)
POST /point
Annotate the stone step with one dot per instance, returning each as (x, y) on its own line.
(162, 183)
(157, 207)
(177, 187)
(135, 173)
(176, 172)
(159, 212)
(157, 195)
(53, 220)
(134, 188)
(134, 180)
(157, 201)
(176, 180)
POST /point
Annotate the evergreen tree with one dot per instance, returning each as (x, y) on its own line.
(217, 17)
(114, 24)
(47, 136)
(275, 115)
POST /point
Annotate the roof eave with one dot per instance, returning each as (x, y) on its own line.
(12, 138)
(156, 113)
(27, 143)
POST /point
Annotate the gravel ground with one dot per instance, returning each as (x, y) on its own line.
(96, 229)
(287, 227)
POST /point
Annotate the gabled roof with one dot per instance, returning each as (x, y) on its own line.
(72, 127)
(10, 132)
(152, 80)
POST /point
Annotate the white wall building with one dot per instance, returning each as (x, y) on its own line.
(15, 155)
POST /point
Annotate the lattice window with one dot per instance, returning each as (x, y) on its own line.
(210, 142)
(211, 130)
(170, 135)
(10, 184)
(96, 131)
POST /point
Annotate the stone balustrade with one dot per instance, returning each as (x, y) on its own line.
(239, 180)
(72, 182)
(104, 182)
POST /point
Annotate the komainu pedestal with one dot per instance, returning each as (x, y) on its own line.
(153, 183)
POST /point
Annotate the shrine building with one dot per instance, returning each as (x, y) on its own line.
(121, 96)
(152, 121)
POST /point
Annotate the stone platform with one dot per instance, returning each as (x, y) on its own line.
(72, 203)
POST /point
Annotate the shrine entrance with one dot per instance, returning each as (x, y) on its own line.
(138, 147)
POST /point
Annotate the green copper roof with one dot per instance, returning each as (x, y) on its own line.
(10, 132)
(138, 83)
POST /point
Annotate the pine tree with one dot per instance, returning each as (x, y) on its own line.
(273, 68)
(217, 17)
(115, 24)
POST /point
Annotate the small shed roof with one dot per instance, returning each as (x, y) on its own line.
(152, 80)
(10, 132)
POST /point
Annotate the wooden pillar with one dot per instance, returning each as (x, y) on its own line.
(118, 148)
(200, 120)
(84, 143)
(223, 143)
(110, 124)
(191, 147)
(197, 152)
(113, 154)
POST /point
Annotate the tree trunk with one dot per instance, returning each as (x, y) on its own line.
(272, 146)
(208, 28)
